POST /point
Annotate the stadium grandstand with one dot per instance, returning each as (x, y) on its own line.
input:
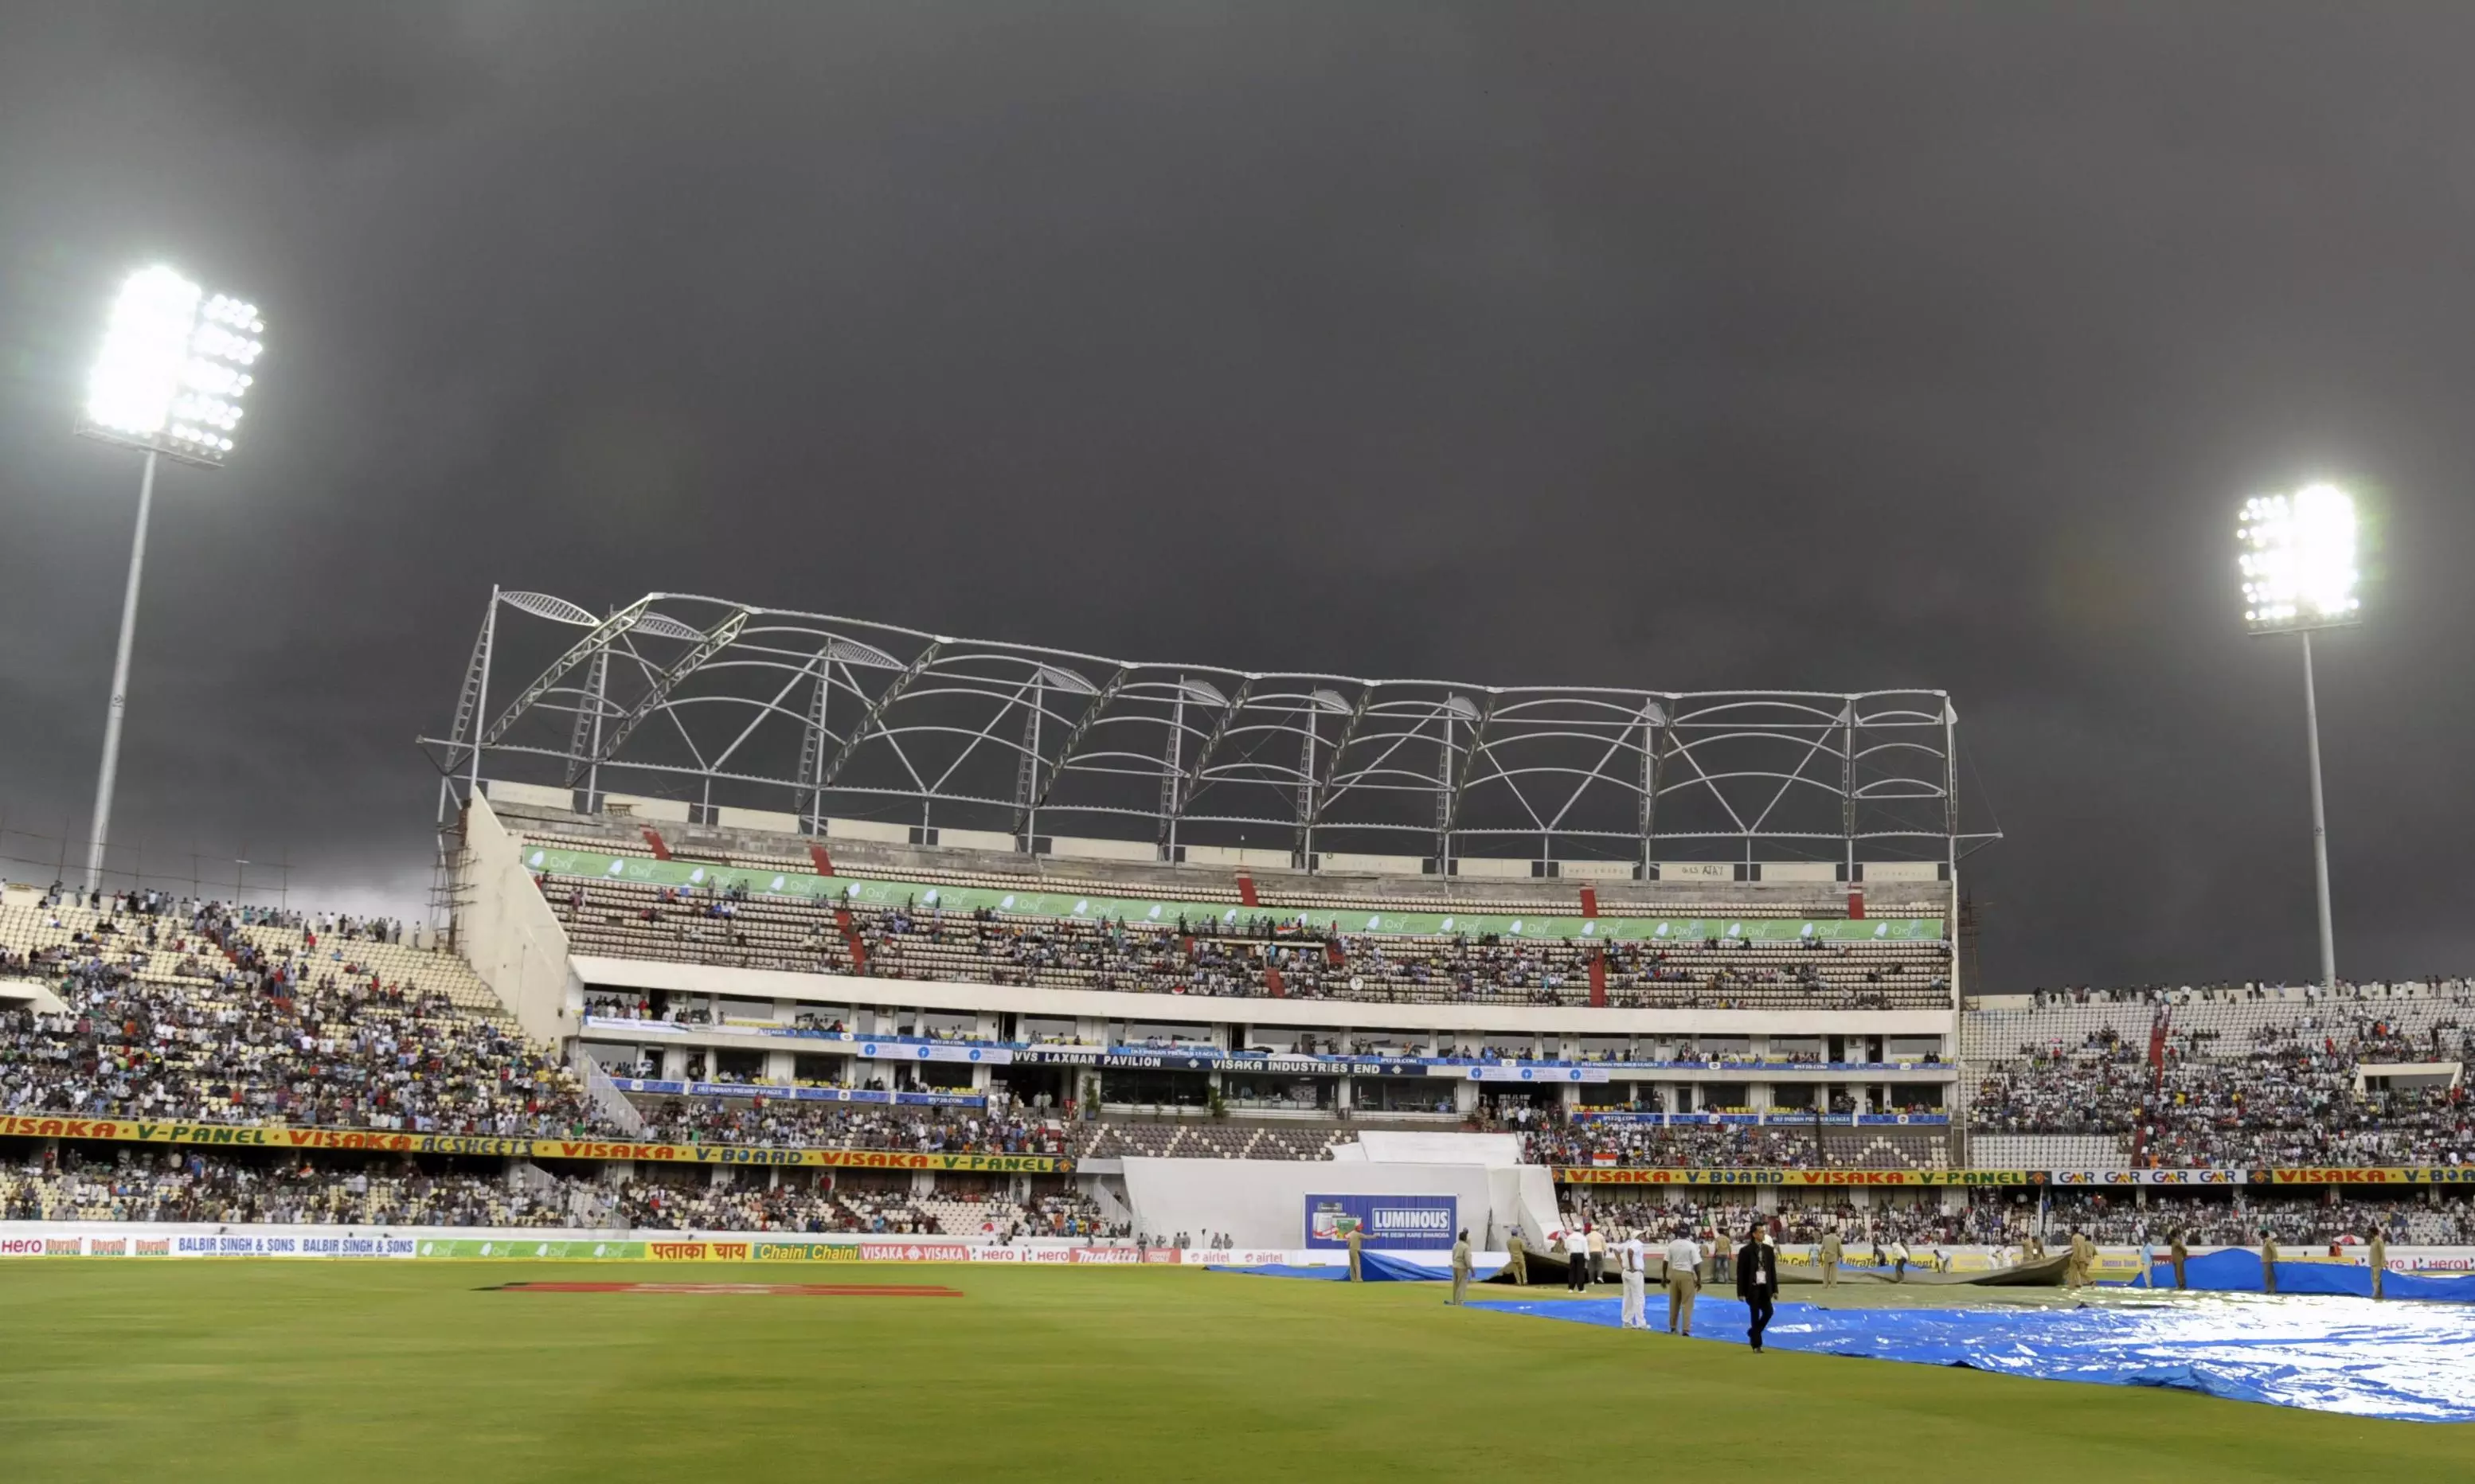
(639, 1012)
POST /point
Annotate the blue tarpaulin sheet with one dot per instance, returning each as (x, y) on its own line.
(2324, 1353)
(1372, 1268)
(2239, 1271)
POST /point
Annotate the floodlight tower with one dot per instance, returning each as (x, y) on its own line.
(175, 365)
(2299, 575)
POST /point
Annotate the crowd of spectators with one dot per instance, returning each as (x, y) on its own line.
(1549, 1137)
(1682, 1145)
(2289, 1091)
(1067, 1213)
(178, 1009)
(790, 1207)
(189, 1186)
(2299, 1223)
(848, 1126)
(186, 1017)
(2254, 991)
(1237, 955)
(195, 1187)
(1864, 1232)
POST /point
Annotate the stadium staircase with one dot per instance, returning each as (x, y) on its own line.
(851, 940)
(2157, 1034)
(607, 1100)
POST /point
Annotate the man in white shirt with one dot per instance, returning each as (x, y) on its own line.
(1577, 1260)
(1633, 1263)
(1683, 1281)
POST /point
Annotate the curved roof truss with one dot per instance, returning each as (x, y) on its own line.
(729, 704)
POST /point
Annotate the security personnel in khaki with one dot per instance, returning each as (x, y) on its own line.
(2075, 1267)
(1517, 1258)
(1829, 1254)
(1460, 1269)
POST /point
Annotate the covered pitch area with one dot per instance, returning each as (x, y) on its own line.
(262, 1369)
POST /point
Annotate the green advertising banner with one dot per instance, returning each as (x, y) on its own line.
(1204, 917)
(503, 1247)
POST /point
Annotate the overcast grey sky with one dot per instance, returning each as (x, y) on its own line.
(1830, 345)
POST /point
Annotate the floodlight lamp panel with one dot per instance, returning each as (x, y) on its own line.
(173, 368)
(2299, 562)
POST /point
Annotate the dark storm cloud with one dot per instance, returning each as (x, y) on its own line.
(1833, 346)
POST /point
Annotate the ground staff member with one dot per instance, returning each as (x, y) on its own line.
(1516, 1259)
(2177, 1254)
(2380, 1261)
(1757, 1281)
(1632, 1261)
(1352, 1256)
(1829, 1255)
(2076, 1267)
(1598, 1253)
(1460, 1269)
(1684, 1281)
(2268, 1262)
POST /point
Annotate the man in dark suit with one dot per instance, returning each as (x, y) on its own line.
(1757, 1280)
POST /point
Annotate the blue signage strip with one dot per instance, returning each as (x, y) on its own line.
(1389, 1223)
(662, 1087)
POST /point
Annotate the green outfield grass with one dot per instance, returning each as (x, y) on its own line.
(376, 1371)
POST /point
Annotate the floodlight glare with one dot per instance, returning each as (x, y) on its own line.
(2298, 561)
(2299, 575)
(174, 368)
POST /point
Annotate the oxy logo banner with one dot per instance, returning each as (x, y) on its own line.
(1389, 1223)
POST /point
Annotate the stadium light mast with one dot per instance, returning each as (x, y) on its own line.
(2300, 574)
(169, 382)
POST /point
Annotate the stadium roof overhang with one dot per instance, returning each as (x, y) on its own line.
(809, 715)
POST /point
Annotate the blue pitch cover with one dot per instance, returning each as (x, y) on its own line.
(2326, 1352)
